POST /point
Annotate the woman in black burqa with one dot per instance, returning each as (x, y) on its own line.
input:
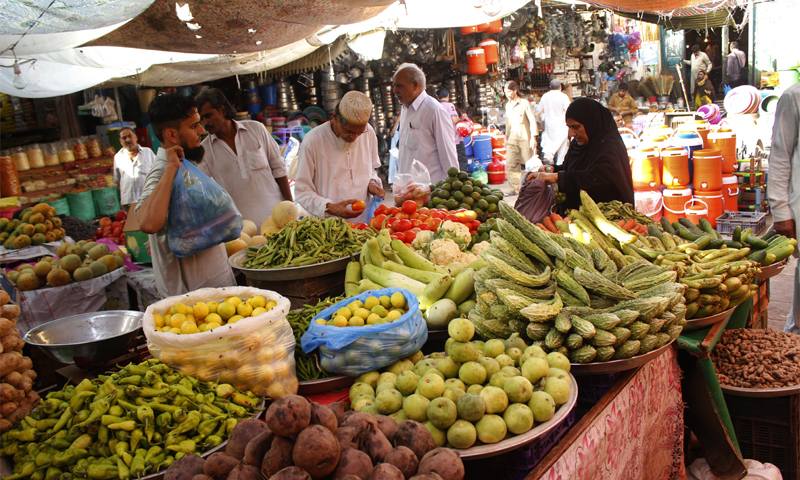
(597, 160)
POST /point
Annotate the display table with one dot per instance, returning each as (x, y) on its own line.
(635, 431)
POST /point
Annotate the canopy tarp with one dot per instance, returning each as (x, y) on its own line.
(670, 8)
(719, 18)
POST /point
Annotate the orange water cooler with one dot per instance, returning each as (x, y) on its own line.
(714, 202)
(675, 200)
(675, 161)
(730, 193)
(695, 209)
(707, 170)
(645, 169)
(724, 140)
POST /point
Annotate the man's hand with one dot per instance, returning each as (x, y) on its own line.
(376, 190)
(174, 155)
(548, 178)
(785, 228)
(341, 209)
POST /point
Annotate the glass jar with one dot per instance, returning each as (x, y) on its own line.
(50, 155)
(20, 159)
(35, 155)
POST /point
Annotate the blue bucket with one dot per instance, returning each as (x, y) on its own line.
(254, 107)
(268, 95)
(482, 146)
(691, 141)
(468, 146)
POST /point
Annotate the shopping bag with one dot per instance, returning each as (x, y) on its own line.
(201, 213)
(535, 200)
(414, 185)
(373, 205)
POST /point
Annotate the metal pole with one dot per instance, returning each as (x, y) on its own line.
(725, 52)
(751, 41)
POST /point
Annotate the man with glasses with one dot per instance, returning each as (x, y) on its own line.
(338, 162)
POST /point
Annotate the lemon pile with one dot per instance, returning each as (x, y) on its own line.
(206, 316)
(373, 311)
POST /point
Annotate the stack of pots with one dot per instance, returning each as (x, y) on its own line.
(252, 98)
(646, 173)
(332, 93)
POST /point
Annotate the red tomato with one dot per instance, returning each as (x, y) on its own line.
(434, 223)
(415, 222)
(120, 215)
(107, 231)
(360, 226)
(377, 221)
(117, 232)
(436, 214)
(394, 210)
(399, 236)
(453, 218)
(105, 222)
(402, 216)
(381, 209)
(391, 222)
(410, 236)
(408, 244)
(403, 226)
(98, 233)
(417, 229)
(414, 215)
(474, 225)
(424, 226)
(409, 206)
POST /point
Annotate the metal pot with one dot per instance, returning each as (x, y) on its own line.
(369, 74)
(354, 73)
(342, 78)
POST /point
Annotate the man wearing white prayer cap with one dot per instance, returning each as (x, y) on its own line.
(337, 162)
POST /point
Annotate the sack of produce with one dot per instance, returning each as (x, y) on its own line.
(106, 201)
(414, 185)
(60, 204)
(253, 353)
(201, 213)
(363, 346)
(81, 205)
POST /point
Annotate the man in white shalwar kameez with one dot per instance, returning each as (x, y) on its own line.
(784, 183)
(553, 106)
(338, 162)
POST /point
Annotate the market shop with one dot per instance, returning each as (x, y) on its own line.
(450, 334)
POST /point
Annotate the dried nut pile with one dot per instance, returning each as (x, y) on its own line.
(757, 359)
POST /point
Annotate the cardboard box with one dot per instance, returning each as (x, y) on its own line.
(136, 241)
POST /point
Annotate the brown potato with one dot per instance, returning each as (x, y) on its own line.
(219, 465)
(415, 436)
(278, 457)
(316, 451)
(348, 437)
(291, 473)
(339, 409)
(404, 459)
(322, 415)
(185, 468)
(201, 477)
(353, 462)
(241, 435)
(384, 471)
(288, 415)
(257, 448)
(443, 461)
(245, 472)
(349, 477)
(360, 420)
(375, 444)
(386, 425)
(426, 476)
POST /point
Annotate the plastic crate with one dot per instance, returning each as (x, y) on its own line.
(728, 221)
(591, 388)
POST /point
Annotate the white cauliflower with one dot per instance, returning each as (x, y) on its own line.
(479, 247)
(444, 252)
(467, 258)
(422, 242)
(458, 232)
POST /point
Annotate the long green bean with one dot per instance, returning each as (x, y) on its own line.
(300, 319)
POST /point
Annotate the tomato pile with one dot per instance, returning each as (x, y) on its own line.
(112, 229)
(406, 221)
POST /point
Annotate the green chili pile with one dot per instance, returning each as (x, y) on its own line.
(306, 242)
(126, 424)
(306, 365)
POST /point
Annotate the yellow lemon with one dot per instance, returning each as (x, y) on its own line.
(264, 355)
(373, 318)
(257, 301)
(356, 322)
(258, 311)
(189, 327)
(371, 302)
(166, 328)
(393, 315)
(234, 300)
(398, 300)
(338, 319)
(386, 302)
(167, 318)
(190, 318)
(177, 320)
(226, 310)
(213, 318)
(200, 310)
(235, 318)
(354, 305)
(178, 308)
(270, 305)
(266, 374)
(212, 306)
(176, 331)
(244, 309)
(339, 322)
(379, 310)
(159, 320)
(321, 321)
(345, 312)
(203, 327)
(362, 312)
(212, 326)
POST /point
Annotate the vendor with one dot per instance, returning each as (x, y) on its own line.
(596, 161)
(338, 162)
(242, 157)
(704, 93)
(177, 126)
(624, 104)
(131, 166)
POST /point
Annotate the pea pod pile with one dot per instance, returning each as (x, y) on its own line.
(123, 425)
(306, 242)
(300, 319)
(616, 211)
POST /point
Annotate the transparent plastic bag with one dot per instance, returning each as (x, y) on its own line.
(255, 353)
(201, 213)
(356, 350)
(414, 185)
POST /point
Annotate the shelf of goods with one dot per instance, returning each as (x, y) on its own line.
(40, 183)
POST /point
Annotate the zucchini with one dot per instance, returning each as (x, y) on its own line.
(769, 233)
(463, 285)
(715, 244)
(756, 242)
(418, 275)
(737, 234)
(366, 285)
(375, 254)
(688, 225)
(654, 231)
(703, 242)
(686, 234)
(732, 244)
(590, 209)
(758, 256)
(351, 278)
(388, 279)
(782, 253)
(705, 226)
(411, 259)
(667, 226)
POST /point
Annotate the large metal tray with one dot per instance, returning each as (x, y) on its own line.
(772, 270)
(293, 273)
(323, 385)
(698, 323)
(512, 443)
(760, 392)
(614, 366)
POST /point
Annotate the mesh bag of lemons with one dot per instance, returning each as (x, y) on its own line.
(353, 339)
(236, 335)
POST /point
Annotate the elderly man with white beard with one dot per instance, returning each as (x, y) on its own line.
(338, 162)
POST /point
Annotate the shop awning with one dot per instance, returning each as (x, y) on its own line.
(671, 8)
(719, 18)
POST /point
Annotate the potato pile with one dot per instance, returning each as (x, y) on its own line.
(308, 441)
(749, 358)
(17, 397)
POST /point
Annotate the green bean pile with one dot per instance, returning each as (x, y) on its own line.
(300, 319)
(306, 242)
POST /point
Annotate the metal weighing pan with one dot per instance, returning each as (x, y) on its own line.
(614, 366)
(772, 270)
(322, 385)
(698, 323)
(293, 273)
(760, 392)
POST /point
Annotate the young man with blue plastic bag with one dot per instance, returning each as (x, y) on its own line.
(176, 123)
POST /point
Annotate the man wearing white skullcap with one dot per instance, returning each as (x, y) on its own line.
(337, 162)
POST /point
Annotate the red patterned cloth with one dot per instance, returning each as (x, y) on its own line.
(639, 436)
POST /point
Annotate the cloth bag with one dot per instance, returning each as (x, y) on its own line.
(535, 200)
(106, 201)
(81, 205)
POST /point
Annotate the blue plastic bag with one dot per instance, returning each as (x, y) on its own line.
(356, 350)
(201, 213)
(373, 205)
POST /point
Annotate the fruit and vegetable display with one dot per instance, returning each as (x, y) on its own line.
(112, 228)
(306, 364)
(206, 316)
(17, 397)
(474, 392)
(459, 191)
(76, 228)
(80, 262)
(303, 440)
(582, 298)
(616, 211)
(372, 311)
(37, 225)
(248, 237)
(406, 223)
(125, 424)
(749, 358)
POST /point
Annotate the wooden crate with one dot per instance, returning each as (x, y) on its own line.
(307, 290)
(758, 316)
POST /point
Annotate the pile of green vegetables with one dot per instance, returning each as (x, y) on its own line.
(306, 242)
(126, 424)
(306, 364)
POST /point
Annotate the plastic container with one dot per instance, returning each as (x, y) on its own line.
(476, 61)
(728, 221)
(50, 155)
(692, 142)
(268, 95)
(497, 172)
(695, 209)
(482, 147)
(703, 132)
(482, 27)
(730, 193)
(495, 26)
(35, 156)
(468, 141)
(724, 140)
(675, 166)
(715, 202)
(20, 159)
(651, 203)
(645, 169)
(490, 50)
(675, 200)
(254, 107)
(469, 29)
(498, 140)
(707, 170)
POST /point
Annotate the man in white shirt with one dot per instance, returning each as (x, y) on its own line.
(554, 106)
(520, 135)
(131, 166)
(176, 124)
(242, 157)
(426, 129)
(461, 151)
(338, 162)
(699, 63)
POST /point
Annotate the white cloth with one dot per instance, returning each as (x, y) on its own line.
(784, 178)
(130, 175)
(175, 276)
(327, 173)
(249, 174)
(553, 106)
(426, 134)
(699, 62)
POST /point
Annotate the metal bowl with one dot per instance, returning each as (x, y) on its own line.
(87, 338)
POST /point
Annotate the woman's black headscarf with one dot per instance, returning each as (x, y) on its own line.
(600, 167)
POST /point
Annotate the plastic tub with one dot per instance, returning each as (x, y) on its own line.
(715, 202)
(730, 193)
(707, 170)
(482, 147)
(468, 146)
(724, 140)
(675, 171)
(490, 50)
(645, 169)
(469, 29)
(695, 209)
(495, 26)
(675, 200)
(476, 61)
(651, 203)
(498, 141)
(482, 27)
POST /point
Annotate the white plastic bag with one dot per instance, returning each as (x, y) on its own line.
(255, 353)
(649, 203)
(414, 185)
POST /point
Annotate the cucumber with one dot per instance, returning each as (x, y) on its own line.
(667, 226)
(654, 231)
(351, 278)
(745, 233)
(758, 256)
(411, 259)
(732, 244)
(703, 242)
(388, 279)
(715, 244)
(756, 242)
(691, 226)
(737, 234)
(779, 244)
(769, 260)
(705, 226)
(418, 275)
(769, 233)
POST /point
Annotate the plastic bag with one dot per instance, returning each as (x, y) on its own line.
(649, 203)
(373, 205)
(255, 353)
(414, 185)
(201, 213)
(535, 200)
(9, 180)
(356, 350)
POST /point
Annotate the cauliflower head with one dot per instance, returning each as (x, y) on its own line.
(444, 252)
(422, 242)
(457, 232)
(479, 247)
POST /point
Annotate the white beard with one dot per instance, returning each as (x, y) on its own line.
(345, 146)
